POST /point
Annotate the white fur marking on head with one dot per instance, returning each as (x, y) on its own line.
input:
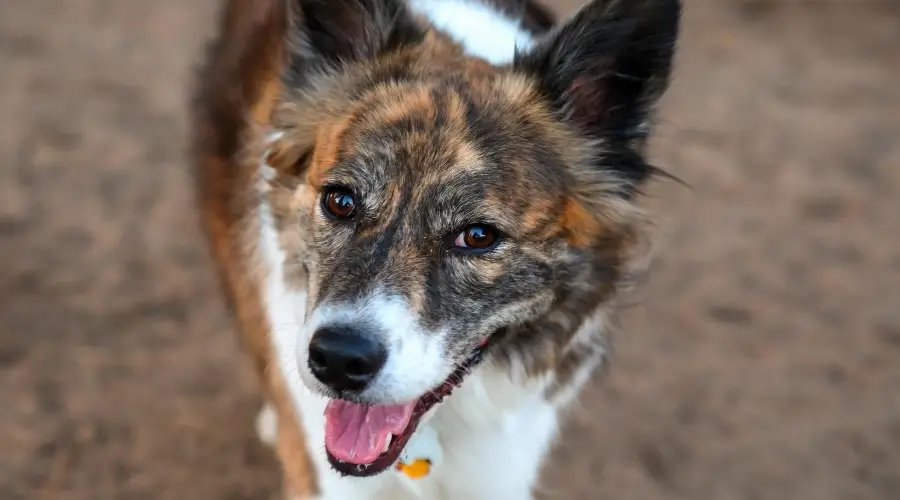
(483, 31)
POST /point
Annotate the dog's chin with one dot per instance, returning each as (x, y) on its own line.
(381, 431)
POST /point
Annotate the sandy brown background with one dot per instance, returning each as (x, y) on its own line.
(761, 360)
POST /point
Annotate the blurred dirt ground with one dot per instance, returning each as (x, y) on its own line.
(761, 361)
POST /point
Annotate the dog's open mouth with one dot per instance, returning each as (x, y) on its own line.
(364, 441)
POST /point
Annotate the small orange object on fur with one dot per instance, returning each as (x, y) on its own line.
(418, 469)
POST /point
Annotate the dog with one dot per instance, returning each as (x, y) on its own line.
(422, 212)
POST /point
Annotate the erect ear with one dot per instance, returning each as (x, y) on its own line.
(606, 67)
(334, 31)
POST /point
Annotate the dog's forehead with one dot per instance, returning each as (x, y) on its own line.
(447, 132)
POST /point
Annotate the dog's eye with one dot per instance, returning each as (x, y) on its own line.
(339, 203)
(477, 237)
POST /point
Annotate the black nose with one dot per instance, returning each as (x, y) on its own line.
(344, 358)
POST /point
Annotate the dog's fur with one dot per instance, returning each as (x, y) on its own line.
(437, 114)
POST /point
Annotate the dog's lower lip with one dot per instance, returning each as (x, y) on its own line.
(398, 441)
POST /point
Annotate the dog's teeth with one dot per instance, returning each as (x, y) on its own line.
(387, 443)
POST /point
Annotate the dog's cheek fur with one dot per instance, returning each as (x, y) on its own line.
(585, 280)
(471, 296)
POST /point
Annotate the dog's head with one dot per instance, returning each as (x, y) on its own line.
(426, 200)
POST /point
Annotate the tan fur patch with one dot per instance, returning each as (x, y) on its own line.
(581, 227)
(262, 110)
(397, 107)
(536, 215)
(325, 154)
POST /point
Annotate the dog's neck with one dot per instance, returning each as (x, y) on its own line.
(484, 30)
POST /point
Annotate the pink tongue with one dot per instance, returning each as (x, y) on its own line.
(356, 433)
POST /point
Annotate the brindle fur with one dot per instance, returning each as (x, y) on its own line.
(549, 149)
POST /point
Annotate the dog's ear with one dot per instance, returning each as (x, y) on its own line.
(331, 32)
(606, 67)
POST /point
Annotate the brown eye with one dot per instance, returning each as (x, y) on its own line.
(477, 237)
(339, 203)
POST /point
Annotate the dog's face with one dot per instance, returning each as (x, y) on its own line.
(426, 200)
